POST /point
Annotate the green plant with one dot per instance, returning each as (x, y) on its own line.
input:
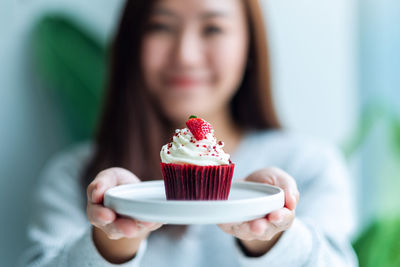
(379, 243)
(71, 63)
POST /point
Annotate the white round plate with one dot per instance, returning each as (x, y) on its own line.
(146, 202)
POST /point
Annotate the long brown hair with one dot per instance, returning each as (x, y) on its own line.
(132, 129)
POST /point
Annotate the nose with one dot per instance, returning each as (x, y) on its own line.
(188, 50)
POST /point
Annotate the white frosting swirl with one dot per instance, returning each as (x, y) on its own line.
(185, 149)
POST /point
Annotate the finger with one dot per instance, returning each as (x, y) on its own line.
(149, 225)
(107, 179)
(242, 231)
(226, 227)
(155, 226)
(281, 218)
(124, 227)
(259, 229)
(99, 215)
(277, 177)
(128, 227)
(239, 230)
(258, 226)
(263, 229)
(133, 228)
(121, 228)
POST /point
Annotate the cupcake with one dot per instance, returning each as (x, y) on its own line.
(194, 164)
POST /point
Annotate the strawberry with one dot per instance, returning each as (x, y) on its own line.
(198, 127)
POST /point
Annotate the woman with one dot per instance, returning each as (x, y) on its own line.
(171, 59)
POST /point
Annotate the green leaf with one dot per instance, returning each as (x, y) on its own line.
(71, 62)
(394, 131)
(379, 244)
(370, 114)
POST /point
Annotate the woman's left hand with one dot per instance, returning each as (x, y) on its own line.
(259, 235)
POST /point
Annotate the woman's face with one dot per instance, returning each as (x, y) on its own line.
(193, 55)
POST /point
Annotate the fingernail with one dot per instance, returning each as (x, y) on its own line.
(293, 196)
(115, 229)
(108, 221)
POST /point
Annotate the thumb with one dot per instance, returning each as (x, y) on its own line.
(277, 177)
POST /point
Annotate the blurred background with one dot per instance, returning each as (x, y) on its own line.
(336, 73)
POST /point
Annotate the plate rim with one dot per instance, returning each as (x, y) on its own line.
(119, 204)
(110, 194)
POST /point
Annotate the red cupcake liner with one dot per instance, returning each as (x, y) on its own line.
(192, 182)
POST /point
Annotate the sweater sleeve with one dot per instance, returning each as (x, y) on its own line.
(325, 217)
(59, 232)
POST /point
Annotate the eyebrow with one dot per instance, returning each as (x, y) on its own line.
(163, 11)
(205, 15)
(214, 14)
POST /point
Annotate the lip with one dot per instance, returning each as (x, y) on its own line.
(184, 81)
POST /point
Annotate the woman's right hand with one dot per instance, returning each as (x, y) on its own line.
(117, 238)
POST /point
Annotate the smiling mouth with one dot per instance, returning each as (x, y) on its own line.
(185, 82)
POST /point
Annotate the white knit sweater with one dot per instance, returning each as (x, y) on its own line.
(61, 234)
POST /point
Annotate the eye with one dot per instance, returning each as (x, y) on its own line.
(157, 27)
(212, 30)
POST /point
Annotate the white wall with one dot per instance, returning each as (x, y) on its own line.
(313, 47)
(314, 51)
(313, 63)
